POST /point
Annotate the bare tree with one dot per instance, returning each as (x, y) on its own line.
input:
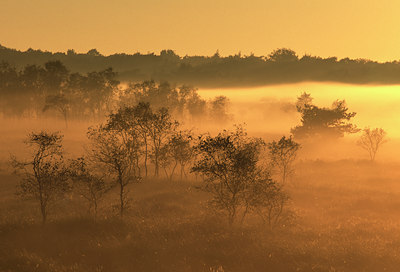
(111, 152)
(90, 186)
(371, 140)
(282, 155)
(45, 177)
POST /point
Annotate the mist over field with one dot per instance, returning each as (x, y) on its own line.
(199, 136)
(267, 111)
(167, 177)
(270, 111)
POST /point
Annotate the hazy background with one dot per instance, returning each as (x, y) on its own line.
(267, 112)
(376, 106)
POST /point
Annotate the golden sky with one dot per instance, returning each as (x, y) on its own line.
(343, 28)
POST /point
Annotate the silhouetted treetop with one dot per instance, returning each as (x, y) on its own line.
(323, 121)
(283, 55)
(93, 52)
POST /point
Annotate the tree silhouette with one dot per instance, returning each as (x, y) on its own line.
(182, 151)
(45, 176)
(177, 151)
(323, 122)
(93, 52)
(268, 200)
(303, 101)
(124, 123)
(161, 127)
(60, 103)
(196, 106)
(371, 140)
(144, 116)
(89, 185)
(282, 154)
(229, 165)
(283, 55)
(109, 150)
(219, 109)
(55, 76)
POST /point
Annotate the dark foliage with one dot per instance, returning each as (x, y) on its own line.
(280, 66)
(323, 122)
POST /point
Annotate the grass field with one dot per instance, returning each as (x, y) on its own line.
(346, 219)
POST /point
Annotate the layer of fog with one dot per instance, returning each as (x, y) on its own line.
(270, 112)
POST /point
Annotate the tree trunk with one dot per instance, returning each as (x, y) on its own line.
(156, 163)
(121, 197)
(95, 210)
(173, 170)
(138, 166)
(44, 212)
(182, 171)
(232, 215)
(145, 156)
(166, 173)
(42, 204)
(65, 119)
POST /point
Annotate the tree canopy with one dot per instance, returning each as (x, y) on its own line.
(332, 122)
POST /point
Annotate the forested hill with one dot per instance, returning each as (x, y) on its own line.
(281, 66)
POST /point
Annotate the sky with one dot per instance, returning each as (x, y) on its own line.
(343, 28)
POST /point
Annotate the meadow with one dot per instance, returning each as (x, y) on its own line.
(344, 217)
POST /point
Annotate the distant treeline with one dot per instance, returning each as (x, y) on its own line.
(51, 89)
(281, 66)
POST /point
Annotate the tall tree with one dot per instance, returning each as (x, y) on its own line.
(162, 125)
(144, 116)
(109, 150)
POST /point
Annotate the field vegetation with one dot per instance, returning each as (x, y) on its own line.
(150, 176)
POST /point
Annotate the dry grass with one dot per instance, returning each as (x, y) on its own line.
(347, 220)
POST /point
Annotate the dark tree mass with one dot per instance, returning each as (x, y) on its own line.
(280, 66)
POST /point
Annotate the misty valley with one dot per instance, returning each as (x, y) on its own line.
(103, 174)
